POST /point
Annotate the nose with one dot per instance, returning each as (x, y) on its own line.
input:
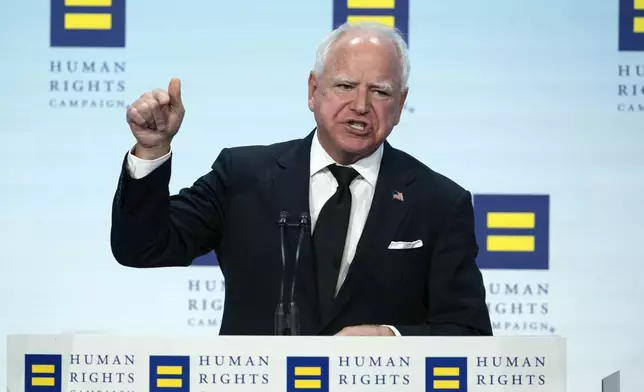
(360, 102)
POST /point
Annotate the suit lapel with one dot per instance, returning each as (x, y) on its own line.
(290, 182)
(385, 215)
(289, 191)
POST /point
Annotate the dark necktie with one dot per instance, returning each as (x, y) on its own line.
(330, 234)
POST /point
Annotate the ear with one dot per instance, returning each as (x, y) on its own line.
(403, 98)
(313, 86)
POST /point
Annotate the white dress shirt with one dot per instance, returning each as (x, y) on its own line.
(322, 185)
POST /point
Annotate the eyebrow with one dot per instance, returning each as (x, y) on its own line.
(381, 86)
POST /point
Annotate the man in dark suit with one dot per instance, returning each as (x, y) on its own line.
(392, 247)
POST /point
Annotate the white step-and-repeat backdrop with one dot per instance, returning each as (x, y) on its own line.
(536, 107)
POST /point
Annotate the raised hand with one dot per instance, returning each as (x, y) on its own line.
(155, 118)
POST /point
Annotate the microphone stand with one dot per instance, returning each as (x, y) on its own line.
(280, 316)
(293, 320)
(287, 321)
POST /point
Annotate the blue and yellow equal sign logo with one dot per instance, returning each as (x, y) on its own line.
(87, 23)
(307, 373)
(169, 373)
(43, 373)
(631, 25)
(393, 13)
(512, 231)
(446, 374)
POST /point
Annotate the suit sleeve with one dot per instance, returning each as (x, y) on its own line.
(456, 292)
(151, 228)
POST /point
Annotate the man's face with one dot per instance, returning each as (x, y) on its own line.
(357, 100)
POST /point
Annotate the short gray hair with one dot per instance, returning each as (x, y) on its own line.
(373, 27)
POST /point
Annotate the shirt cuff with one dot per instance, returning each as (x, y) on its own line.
(393, 329)
(139, 168)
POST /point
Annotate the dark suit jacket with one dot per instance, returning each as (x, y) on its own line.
(433, 290)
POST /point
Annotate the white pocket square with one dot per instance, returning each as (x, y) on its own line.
(405, 245)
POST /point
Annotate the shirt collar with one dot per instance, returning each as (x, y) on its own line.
(367, 167)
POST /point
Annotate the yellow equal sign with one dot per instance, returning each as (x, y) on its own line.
(638, 21)
(446, 372)
(43, 381)
(169, 371)
(308, 371)
(88, 21)
(387, 20)
(511, 220)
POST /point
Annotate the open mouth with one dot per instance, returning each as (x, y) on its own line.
(357, 125)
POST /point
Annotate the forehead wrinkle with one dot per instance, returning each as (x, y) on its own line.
(342, 47)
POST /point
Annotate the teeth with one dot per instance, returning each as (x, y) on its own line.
(357, 125)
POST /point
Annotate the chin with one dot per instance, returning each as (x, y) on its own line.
(356, 146)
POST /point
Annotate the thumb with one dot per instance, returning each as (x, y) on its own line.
(174, 91)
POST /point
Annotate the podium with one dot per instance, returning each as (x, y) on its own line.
(106, 363)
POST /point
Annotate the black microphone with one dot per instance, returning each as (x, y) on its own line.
(280, 316)
(293, 313)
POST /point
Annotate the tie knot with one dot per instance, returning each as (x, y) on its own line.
(344, 175)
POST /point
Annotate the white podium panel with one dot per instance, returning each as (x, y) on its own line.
(103, 363)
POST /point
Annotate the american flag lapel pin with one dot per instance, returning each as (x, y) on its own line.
(398, 196)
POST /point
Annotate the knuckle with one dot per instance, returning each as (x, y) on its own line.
(143, 106)
(152, 103)
(160, 95)
(133, 115)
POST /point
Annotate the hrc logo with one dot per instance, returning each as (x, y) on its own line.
(305, 373)
(446, 374)
(207, 260)
(169, 373)
(631, 25)
(512, 231)
(393, 13)
(43, 373)
(87, 23)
